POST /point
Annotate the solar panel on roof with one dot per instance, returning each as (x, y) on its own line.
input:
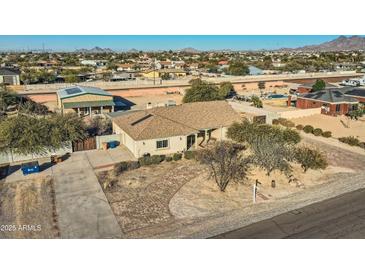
(71, 91)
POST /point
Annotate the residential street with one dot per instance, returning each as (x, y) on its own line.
(339, 217)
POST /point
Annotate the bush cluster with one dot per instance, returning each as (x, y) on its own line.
(124, 166)
(317, 132)
(327, 134)
(284, 122)
(308, 129)
(314, 131)
(351, 140)
(151, 160)
(189, 155)
(299, 127)
(177, 156)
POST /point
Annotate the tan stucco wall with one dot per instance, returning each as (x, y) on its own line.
(138, 148)
(176, 144)
(219, 133)
(86, 98)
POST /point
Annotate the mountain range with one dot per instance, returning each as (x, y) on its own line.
(342, 43)
(95, 50)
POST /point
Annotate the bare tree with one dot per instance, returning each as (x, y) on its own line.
(271, 155)
(226, 162)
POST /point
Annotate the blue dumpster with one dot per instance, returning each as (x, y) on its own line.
(31, 167)
(113, 144)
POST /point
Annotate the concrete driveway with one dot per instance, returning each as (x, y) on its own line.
(82, 208)
(107, 158)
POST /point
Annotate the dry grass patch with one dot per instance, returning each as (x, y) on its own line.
(27, 209)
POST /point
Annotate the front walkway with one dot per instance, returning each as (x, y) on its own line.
(82, 208)
(107, 158)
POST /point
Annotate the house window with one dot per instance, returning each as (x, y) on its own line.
(338, 107)
(162, 144)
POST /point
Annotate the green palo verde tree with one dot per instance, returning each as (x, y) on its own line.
(201, 91)
(272, 147)
(27, 134)
(319, 85)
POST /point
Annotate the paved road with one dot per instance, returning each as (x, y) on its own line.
(339, 217)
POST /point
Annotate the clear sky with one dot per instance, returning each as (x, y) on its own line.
(159, 42)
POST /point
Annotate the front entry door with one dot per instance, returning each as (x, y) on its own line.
(190, 141)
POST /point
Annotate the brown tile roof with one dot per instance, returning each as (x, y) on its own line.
(178, 120)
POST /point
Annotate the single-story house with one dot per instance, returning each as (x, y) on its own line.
(123, 76)
(9, 76)
(85, 100)
(332, 101)
(167, 130)
(357, 93)
(125, 67)
(159, 73)
(308, 87)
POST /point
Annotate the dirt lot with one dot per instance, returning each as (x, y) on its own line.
(27, 209)
(141, 101)
(340, 126)
(164, 197)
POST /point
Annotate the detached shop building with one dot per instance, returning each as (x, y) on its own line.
(85, 100)
(167, 130)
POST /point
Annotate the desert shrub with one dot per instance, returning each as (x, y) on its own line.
(189, 155)
(327, 134)
(124, 166)
(290, 136)
(177, 156)
(226, 163)
(351, 140)
(362, 145)
(145, 161)
(310, 158)
(275, 122)
(156, 159)
(285, 122)
(299, 127)
(250, 132)
(308, 129)
(317, 131)
(168, 159)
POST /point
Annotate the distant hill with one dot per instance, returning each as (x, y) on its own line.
(190, 50)
(95, 50)
(133, 50)
(342, 43)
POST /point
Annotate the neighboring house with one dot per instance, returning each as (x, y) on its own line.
(159, 73)
(9, 76)
(94, 63)
(126, 67)
(331, 101)
(167, 130)
(357, 93)
(308, 87)
(85, 100)
(123, 76)
(255, 71)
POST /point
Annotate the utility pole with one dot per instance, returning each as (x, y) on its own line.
(154, 71)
